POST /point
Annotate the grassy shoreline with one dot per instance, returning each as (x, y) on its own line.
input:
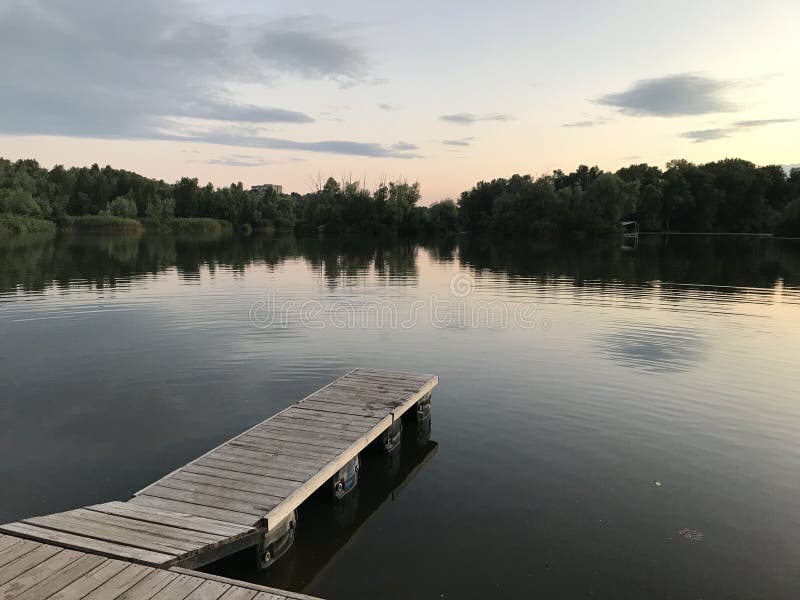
(190, 225)
(101, 223)
(18, 224)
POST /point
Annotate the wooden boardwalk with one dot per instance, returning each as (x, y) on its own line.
(223, 501)
(262, 475)
(140, 535)
(32, 570)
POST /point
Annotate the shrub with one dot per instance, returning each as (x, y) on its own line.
(102, 223)
(201, 225)
(15, 224)
(789, 222)
(18, 202)
(122, 206)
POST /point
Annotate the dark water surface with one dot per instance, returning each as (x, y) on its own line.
(573, 378)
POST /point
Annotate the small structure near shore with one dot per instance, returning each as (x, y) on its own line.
(630, 228)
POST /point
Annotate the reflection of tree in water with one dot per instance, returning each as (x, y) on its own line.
(344, 260)
(700, 262)
(35, 263)
(397, 261)
(654, 348)
(442, 250)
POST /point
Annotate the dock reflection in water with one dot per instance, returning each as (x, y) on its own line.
(326, 526)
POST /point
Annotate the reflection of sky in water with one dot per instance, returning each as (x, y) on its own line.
(123, 359)
(654, 348)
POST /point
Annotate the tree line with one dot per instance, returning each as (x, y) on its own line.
(28, 190)
(730, 195)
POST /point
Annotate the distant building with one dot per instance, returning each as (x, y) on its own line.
(267, 187)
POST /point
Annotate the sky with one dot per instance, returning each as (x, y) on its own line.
(443, 93)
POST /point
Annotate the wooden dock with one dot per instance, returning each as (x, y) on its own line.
(227, 500)
(31, 570)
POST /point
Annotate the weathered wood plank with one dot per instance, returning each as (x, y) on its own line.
(104, 548)
(378, 406)
(35, 575)
(233, 454)
(45, 584)
(284, 472)
(264, 470)
(242, 480)
(379, 389)
(195, 509)
(136, 586)
(259, 589)
(270, 596)
(256, 486)
(85, 528)
(198, 498)
(273, 458)
(19, 549)
(27, 562)
(417, 378)
(171, 519)
(93, 580)
(355, 387)
(190, 538)
(209, 590)
(6, 541)
(288, 449)
(337, 440)
(298, 410)
(341, 409)
(364, 393)
(314, 421)
(221, 491)
(275, 433)
(321, 428)
(239, 593)
(253, 481)
(180, 587)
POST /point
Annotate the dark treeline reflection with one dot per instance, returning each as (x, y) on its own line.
(35, 263)
(699, 260)
(32, 263)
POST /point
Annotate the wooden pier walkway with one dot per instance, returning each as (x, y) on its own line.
(226, 500)
(31, 570)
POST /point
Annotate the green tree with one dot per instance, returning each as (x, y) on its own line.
(19, 202)
(443, 216)
(123, 206)
(161, 210)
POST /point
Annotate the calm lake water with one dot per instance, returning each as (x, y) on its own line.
(593, 402)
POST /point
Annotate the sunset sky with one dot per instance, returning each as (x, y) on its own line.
(442, 93)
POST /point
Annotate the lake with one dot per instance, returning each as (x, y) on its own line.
(610, 422)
